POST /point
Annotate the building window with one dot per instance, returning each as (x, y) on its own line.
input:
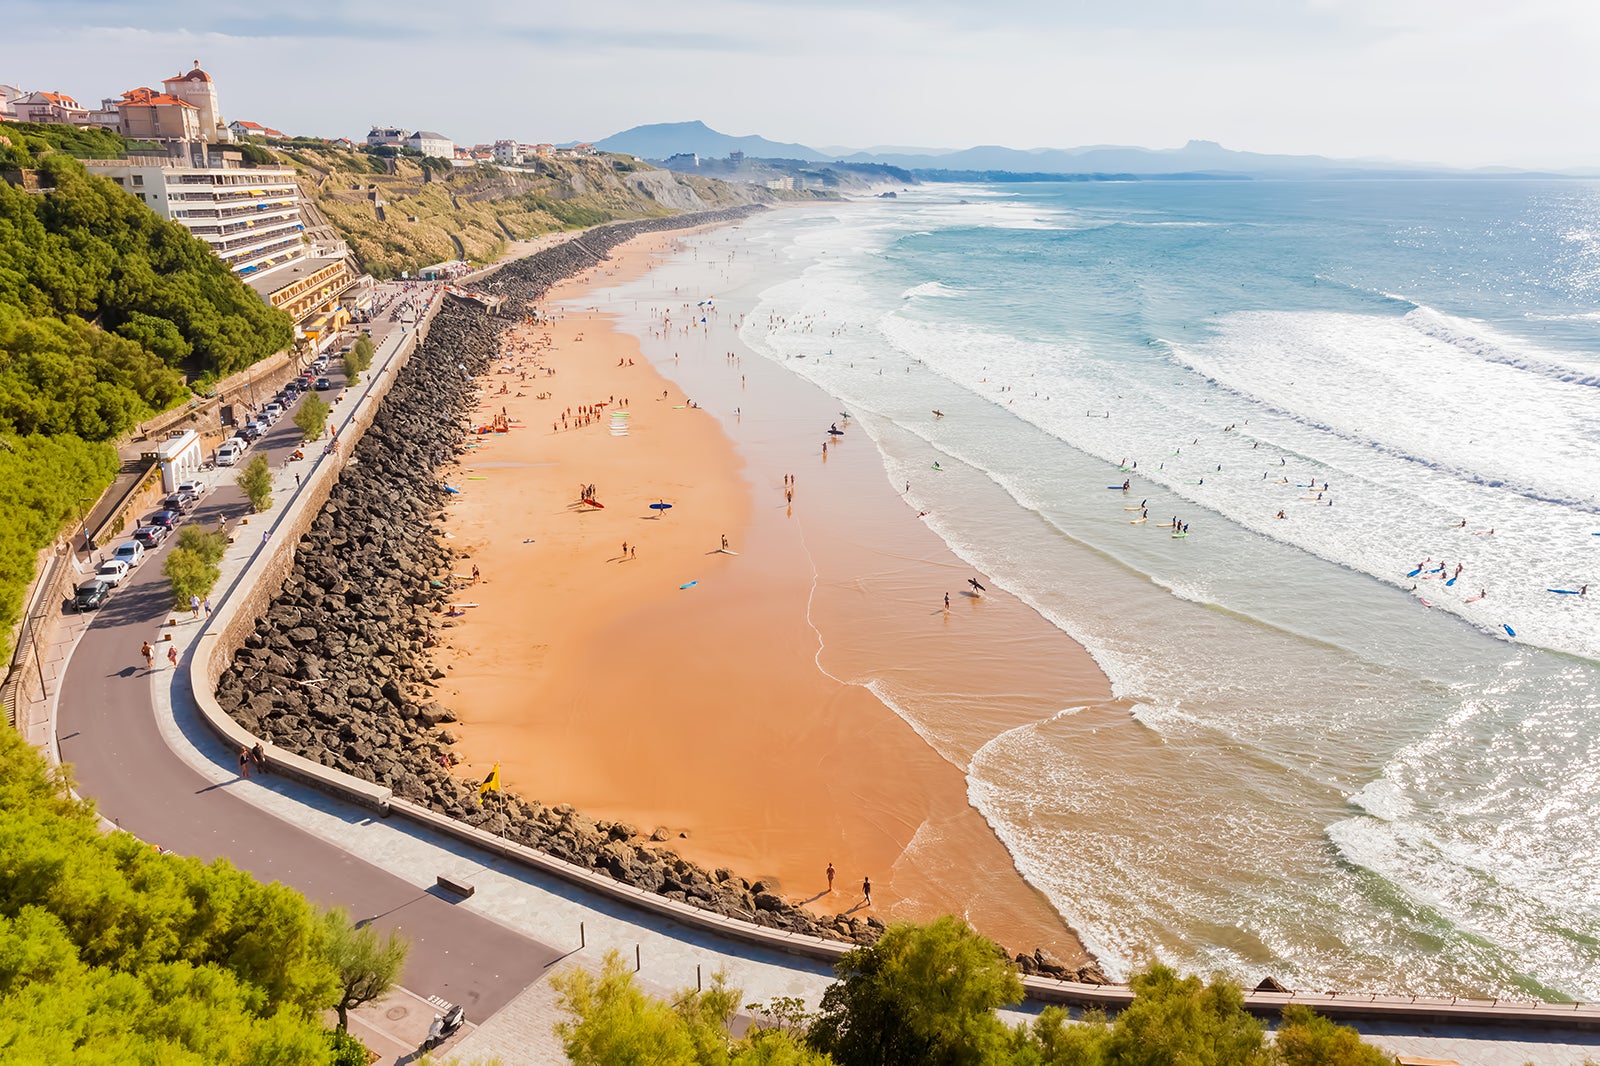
(138, 179)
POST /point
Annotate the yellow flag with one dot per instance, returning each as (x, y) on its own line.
(492, 782)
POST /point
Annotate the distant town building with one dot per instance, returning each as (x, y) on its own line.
(9, 95)
(51, 107)
(147, 115)
(393, 136)
(249, 217)
(429, 143)
(255, 129)
(108, 116)
(683, 161)
(508, 152)
(736, 157)
(195, 87)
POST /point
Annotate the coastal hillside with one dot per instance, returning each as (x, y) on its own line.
(399, 213)
(108, 313)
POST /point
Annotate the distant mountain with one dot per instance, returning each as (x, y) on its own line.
(1195, 159)
(662, 139)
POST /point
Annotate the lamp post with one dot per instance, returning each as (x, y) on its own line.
(83, 524)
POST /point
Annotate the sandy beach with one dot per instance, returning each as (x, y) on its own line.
(729, 712)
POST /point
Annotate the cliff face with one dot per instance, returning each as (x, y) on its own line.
(398, 215)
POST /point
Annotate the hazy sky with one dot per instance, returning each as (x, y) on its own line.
(1455, 81)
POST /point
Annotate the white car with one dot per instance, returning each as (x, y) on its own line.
(130, 552)
(112, 571)
(273, 410)
(229, 453)
(196, 489)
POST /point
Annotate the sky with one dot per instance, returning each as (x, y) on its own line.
(1458, 82)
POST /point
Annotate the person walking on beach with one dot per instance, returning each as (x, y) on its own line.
(830, 878)
(947, 601)
(866, 889)
(149, 655)
(172, 655)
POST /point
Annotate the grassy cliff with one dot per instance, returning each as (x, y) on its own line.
(401, 213)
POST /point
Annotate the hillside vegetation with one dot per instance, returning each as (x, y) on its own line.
(104, 308)
(111, 952)
(399, 213)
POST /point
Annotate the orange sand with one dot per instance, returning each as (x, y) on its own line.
(593, 679)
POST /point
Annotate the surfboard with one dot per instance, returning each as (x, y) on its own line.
(1474, 599)
(460, 605)
(835, 432)
(727, 551)
(1113, 486)
(1133, 508)
(1452, 581)
(595, 503)
(1415, 572)
(1509, 631)
(477, 479)
(689, 585)
(1564, 592)
(1136, 521)
(1424, 602)
(1179, 536)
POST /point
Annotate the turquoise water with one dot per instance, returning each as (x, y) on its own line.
(1333, 772)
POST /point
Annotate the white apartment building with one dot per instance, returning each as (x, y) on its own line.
(249, 217)
(429, 143)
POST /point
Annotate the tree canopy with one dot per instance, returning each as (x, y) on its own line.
(112, 952)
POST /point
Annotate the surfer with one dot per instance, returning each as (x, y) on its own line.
(936, 466)
(1125, 485)
(1282, 515)
(947, 601)
(938, 413)
(974, 583)
(1583, 590)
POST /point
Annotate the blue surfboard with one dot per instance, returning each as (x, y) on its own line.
(1509, 631)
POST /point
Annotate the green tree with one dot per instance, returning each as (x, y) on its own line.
(921, 994)
(1054, 1039)
(352, 368)
(312, 417)
(111, 952)
(192, 567)
(256, 482)
(1175, 1019)
(368, 965)
(1306, 1038)
(363, 351)
(612, 1023)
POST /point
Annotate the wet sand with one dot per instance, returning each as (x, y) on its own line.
(733, 713)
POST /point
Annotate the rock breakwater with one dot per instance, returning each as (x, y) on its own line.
(339, 671)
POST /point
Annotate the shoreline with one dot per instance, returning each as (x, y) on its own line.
(538, 688)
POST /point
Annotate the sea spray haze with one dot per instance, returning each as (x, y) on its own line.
(1316, 770)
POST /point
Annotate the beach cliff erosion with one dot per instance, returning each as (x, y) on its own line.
(342, 667)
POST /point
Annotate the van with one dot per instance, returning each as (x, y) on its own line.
(229, 454)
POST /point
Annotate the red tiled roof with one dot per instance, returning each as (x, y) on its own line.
(60, 99)
(149, 97)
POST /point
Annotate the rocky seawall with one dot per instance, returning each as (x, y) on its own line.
(338, 669)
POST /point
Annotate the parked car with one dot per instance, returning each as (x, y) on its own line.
(196, 488)
(273, 410)
(229, 454)
(252, 431)
(180, 502)
(130, 552)
(323, 385)
(150, 536)
(167, 520)
(112, 571)
(90, 595)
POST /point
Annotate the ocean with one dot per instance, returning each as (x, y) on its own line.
(1327, 760)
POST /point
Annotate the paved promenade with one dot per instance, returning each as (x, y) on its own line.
(140, 750)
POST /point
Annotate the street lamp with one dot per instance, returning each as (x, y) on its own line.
(83, 523)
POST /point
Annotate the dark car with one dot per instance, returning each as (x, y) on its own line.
(150, 536)
(323, 385)
(91, 594)
(181, 502)
(167, 520)
(251, 432)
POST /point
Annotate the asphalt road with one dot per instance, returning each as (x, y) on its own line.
(107, 729)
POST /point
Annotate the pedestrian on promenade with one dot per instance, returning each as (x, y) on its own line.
(194, 606)
(207, 606)
(297, 481)
(172, 655)
(830, 877)
(866, 889)
(244, 763)
(149, 655)
(258, 755)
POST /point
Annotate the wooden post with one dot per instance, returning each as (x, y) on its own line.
(638, 960)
